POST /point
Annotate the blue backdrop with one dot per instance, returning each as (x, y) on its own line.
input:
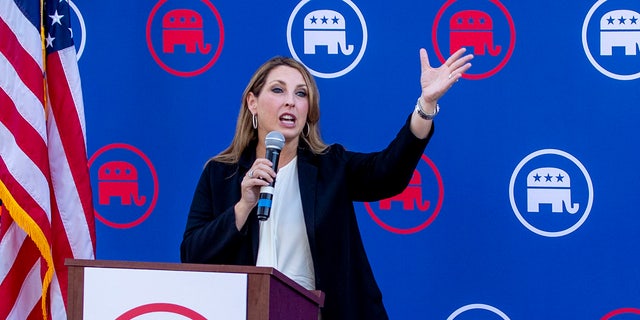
(525, 203)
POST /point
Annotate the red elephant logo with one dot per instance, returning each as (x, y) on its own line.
(410, 197)
(472, 28)
(183, 27)
(119, 179)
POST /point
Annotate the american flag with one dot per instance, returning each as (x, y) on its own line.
(47, 213)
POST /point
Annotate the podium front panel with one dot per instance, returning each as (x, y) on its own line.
(113, 293)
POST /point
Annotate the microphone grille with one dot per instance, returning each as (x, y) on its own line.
(275, 140)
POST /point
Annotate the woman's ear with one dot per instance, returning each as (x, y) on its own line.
(252, 103)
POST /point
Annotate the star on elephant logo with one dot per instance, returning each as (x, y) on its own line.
(555, 195)
(330, 42)
(611, 38)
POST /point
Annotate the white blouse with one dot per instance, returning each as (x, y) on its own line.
(283, 237)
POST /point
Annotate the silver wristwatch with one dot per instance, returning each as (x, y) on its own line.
(425, 115)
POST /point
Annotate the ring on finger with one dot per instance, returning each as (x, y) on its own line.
(251, 173)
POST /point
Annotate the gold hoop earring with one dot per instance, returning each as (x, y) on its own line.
(254, 121)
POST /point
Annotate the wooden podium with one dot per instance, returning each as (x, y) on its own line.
(121, 290)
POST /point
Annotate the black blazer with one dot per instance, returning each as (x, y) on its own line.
(329, 183)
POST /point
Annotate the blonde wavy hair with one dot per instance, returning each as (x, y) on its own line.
(245, 133)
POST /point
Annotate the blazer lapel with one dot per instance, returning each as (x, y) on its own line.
(307, 179)
(244, 163)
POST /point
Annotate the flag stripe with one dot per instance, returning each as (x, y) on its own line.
(68, 67)
(25, 24)
(24, 179)
(58, 298)
(25, 101)
(28, 255)
(25, 66)
(28, 299)
(62, 250)
(10, 231)
(67, 201)
(36, 314)
(26, 137)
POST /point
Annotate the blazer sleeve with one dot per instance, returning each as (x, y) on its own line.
(379, 175)
(211, 235)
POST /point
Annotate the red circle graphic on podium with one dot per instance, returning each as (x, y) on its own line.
(160, 307)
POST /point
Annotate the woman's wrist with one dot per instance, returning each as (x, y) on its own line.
(427, 111)
(242, 211)
(242, 207)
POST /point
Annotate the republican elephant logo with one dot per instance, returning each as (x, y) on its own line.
(183, 27)
(119, 179)
(620, 28)
(326, 28)
(410, 197)
(472, 28)
(550, 186)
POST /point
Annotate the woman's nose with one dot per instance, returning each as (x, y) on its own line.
(290, 102)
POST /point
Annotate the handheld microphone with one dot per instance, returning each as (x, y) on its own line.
(274, 142)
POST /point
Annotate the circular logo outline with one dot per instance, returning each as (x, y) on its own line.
(514, 207)
(479, 306)
(83, 30)
(344, 71)
(507, 57)
(155, 185)
(620, 311)
(585, 46)
(425, 224)
(172, 71)
(160, 307)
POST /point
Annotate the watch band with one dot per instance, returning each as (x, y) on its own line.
(425, 115)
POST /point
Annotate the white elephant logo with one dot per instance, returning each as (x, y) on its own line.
(549, 186)
(620, 28)
(326, 28)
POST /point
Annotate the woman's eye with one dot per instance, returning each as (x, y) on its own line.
(301, 93)
(277, 90)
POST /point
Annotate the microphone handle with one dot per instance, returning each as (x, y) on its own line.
(266, 192)
(273, 155)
